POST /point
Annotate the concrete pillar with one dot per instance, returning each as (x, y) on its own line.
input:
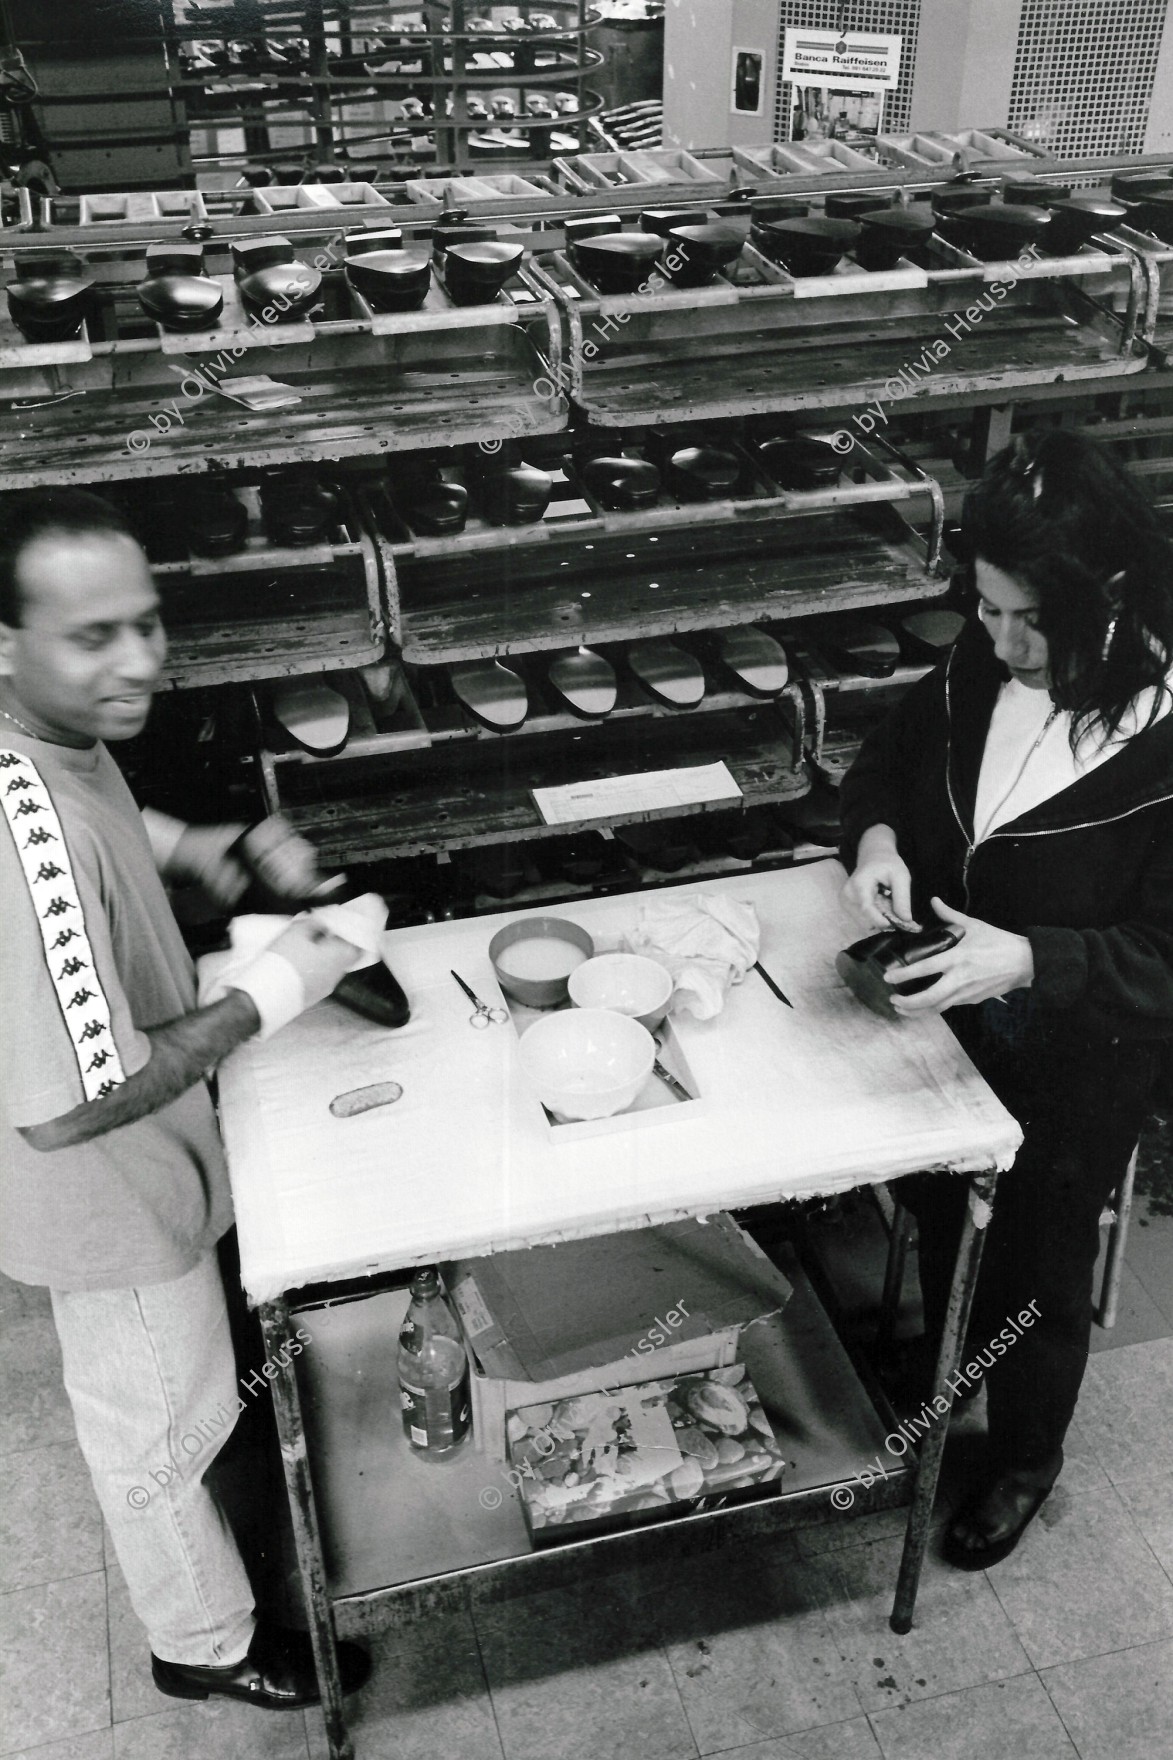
(698, 39)
(965, 56)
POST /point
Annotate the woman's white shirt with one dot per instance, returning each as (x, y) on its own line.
(1028, 757)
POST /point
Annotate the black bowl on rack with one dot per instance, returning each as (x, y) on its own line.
(391, 280)
(850, 204)
(1154, 214)
(951, 198)
(385, 238)
(1136, 186)
(251, 254)
(49, 308)
(995, 232)
(766, 209)
(590, 226)
(298, 511)
(181, 302)
(288, 290)
(458, 232)
(618, 262)
(697, 253)
(798, 461)
(888, 234)
(703, 473)
(810, 246)
(1077, 219)
(662, 221)
(515, 496)
(622, 483)
(474, 274)
(213, 521)
(436, 509)
(178, 256)
(1034, 191)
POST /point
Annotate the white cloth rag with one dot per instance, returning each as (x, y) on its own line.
(360, 922)
(708, 941)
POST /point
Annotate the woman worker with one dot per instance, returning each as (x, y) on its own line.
(1023, 793)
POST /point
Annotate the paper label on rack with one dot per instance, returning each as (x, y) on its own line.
(606, 797)
(258, 391)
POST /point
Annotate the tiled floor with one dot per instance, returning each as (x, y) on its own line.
(776, 1653)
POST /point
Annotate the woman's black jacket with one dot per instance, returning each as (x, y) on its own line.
(1087, 875)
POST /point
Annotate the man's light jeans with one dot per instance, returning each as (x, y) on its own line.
(151, 1377)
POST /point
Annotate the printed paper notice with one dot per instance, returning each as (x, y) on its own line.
(652, 791)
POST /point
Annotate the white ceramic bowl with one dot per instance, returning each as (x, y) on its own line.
(625, 982)
(587, 1062)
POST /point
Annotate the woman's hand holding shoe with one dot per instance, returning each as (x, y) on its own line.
(986, 962)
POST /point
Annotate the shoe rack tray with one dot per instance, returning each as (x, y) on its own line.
(765, 350)
(360, 395)
(652, 583)
(268, 611)
(460, 794)
(420, 724)
(758, 496)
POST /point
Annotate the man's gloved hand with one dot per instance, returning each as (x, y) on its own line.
(297, 970)
(203, 857)
(307, 960)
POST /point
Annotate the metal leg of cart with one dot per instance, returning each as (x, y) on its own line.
(278, 1331)
(965, 1273)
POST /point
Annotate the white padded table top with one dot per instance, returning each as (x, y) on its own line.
(800, 1101)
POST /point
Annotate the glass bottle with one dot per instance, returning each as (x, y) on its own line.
(433, 1371)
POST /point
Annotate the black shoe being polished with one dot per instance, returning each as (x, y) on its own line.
(277, 1673)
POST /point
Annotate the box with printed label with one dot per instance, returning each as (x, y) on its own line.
(553, 1322)
(641, 1454)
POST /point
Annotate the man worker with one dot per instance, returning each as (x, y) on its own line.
(113, 1185)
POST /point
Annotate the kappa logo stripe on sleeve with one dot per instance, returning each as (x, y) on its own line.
(40, 845)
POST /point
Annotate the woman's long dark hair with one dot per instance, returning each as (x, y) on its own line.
(1059, 514)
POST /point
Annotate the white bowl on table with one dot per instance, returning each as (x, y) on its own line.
(627, 983)
(587, 1062)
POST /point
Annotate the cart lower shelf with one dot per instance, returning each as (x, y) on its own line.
(391, 1519)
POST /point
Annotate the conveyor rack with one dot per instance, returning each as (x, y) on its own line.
(268, 610)
(760, 341)
(128, 399)
(459, 794)
(610, 575)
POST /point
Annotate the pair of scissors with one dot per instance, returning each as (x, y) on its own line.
(482, 1015)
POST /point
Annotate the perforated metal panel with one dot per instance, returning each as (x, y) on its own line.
(1083, 74)
(900, 17)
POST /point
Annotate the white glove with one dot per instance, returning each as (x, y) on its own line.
(302, 965)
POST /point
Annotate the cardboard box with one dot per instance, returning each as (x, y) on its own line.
(643, 1454)
(558, 1321)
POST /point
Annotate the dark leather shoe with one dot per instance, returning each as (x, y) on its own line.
(375, 993)
(278, 1672)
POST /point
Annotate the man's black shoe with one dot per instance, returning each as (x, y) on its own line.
(277, 1673)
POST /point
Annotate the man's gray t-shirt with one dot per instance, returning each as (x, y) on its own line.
(142, 1203)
